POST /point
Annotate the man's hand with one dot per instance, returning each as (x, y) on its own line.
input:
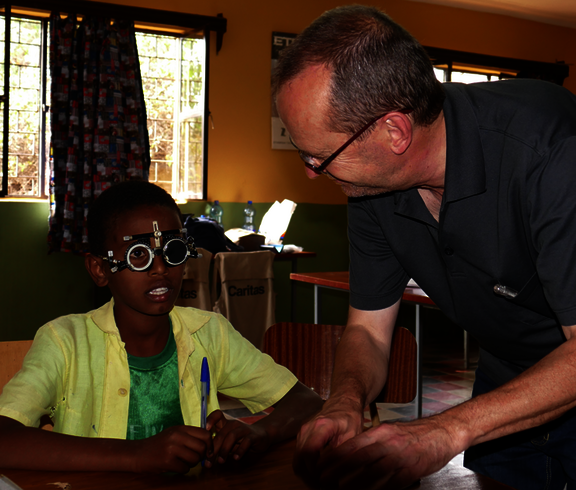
(390, 456)
(175, 449)
(338, 422)
(234, 438)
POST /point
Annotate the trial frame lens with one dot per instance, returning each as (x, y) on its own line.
(140, 255)
(174, 252)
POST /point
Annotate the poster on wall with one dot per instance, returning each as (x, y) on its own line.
(280, 139)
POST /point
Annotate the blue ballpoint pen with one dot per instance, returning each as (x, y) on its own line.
(205, 386)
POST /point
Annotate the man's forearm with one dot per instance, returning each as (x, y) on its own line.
(361, 364)
(539, 395)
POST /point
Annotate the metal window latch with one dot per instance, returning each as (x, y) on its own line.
(505, 291)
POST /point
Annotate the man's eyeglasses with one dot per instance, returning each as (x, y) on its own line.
(309, 160)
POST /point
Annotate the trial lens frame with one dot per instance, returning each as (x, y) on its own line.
(143, 241)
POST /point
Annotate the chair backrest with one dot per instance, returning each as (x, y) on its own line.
(247, 298)
(195, 289)
(11, 356)
(308, 351)
(402, 381)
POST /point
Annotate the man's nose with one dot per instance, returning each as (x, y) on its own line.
(311, 174)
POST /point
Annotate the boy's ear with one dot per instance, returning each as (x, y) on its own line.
(96, 268)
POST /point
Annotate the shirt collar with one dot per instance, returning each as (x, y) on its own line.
(465, 168)
(103, 317)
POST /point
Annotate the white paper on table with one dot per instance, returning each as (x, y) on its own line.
(276, 220)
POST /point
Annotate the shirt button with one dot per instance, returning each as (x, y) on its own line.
(122, 392)
(448, 251)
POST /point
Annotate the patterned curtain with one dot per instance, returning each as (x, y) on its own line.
(98, 121)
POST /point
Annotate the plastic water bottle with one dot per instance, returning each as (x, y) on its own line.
(216, 213)
(249, 213)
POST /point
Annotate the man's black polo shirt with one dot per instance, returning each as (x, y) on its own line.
(508, 217)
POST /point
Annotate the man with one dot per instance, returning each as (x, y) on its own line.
(468, 189)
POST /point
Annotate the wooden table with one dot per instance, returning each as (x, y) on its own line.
(294, 257)
(341, 281)
(273, 471)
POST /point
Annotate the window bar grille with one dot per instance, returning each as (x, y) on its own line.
(5, 100)
(207, 115)
(43, 169)
(177, 182)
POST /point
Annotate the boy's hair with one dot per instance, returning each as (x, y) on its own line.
(118, 199)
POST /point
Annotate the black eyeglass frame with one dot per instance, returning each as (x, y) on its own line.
(320, 169)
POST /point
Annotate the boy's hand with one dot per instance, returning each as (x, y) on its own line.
(338, 421)
(175, 449)
(235, 438)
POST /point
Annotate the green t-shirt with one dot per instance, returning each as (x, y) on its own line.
(154, 395)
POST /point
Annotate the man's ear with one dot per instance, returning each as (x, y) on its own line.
(399, 130)
(97, 269)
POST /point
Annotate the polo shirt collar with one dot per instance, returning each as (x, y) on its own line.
(409, 203)
(465, 168)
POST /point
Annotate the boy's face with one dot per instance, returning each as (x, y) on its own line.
(154, 291)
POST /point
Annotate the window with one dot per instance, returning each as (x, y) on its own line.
(27, 134)
(172, 72)
(173, 67)
(468, 76)
(460, 66)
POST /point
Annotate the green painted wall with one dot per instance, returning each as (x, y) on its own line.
(37, 287)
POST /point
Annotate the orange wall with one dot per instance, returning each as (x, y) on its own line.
(241, 164)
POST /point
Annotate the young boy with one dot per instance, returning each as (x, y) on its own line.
(131, 369)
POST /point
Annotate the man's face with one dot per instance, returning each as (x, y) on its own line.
(365, 167)
(151, 292)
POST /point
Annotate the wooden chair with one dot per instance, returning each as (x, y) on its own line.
(305, 349)
(308, 350)
(12, 354)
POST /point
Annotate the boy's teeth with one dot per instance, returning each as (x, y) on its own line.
(159, 291)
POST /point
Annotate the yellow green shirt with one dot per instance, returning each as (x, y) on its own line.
(77, 371)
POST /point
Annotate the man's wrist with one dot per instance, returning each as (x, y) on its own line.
(457, 424)
(344, 401)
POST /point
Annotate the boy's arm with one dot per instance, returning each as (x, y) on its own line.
(296, 407)
(293, 409)
(174, 449)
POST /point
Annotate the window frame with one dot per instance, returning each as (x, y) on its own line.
(510, 67)
(206, 114)
(155, 20)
